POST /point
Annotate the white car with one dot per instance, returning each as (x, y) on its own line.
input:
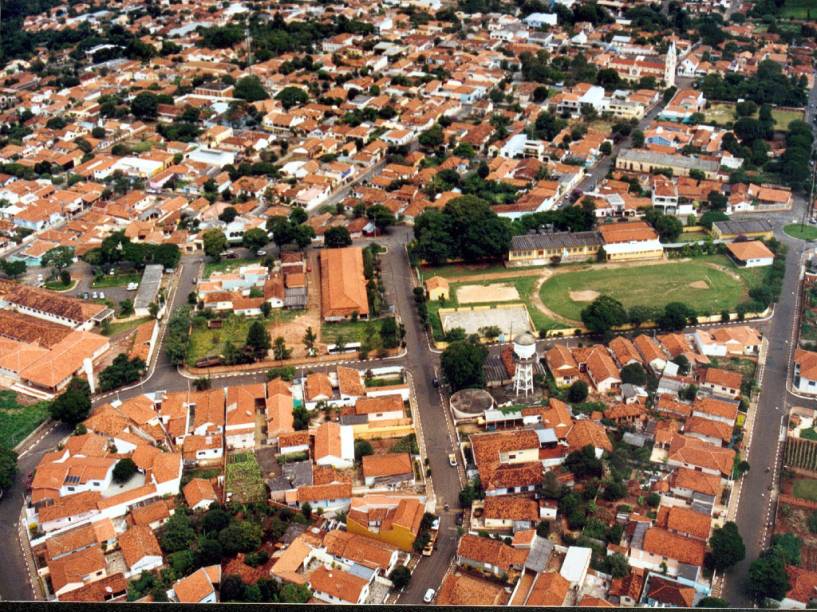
(429, 596)
(133, 286)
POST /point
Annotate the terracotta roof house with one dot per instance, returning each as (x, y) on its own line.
(390, 469)
(661, 546)
(199, 494)
(334, 445)
(562, 365)
(467, 590)
(141, 550)
(391, 519)
(664, 592)
(336, 586)
(588, 433)
(685, 451)
(549, 589)
(802, 588)
(489, 555)
(343, 286)
(721, 382)
(198, 587)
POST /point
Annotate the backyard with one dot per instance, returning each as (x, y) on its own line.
(707, 284)
(18, 420)
(805, 488)
(724, 112)
(244, 483)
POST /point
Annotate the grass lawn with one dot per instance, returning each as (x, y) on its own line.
(805, 488)
(115, 280)
(455, 270)
(16, 420)
(803, 232)
(808, 434)
(352, 331)
(206, 342)
(58, 286)
(722, 113)
(125, 326)
(649, 285)
(227, 265)
(691, 236)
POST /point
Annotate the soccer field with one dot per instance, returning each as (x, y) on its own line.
(696, 282)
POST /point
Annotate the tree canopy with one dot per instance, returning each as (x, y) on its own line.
(462, 363)
(73, 405)
(466, 228)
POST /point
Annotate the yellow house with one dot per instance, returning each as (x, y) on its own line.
(437, 288)
(394, 520)
(760, 229)
(553, 247)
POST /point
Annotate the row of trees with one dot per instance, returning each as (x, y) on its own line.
(606, 313)
(118, 249)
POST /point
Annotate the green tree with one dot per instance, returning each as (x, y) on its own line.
(300, 418)
(240, 536)
(634, 374)
(228, 215)
(294, 593)
(292, 96)
(249, 88)
(306, 510)
(310, 338)
(145, 106)
(254, 239)
(400, 576)
(258, 339)
(177, 533)
(788, 546)
(280, 350)
(726, 547)
(577, 392)
(462, 362)
(125, 308)
(768, 578)
(432, 138)
(124, 470)
(381, 216)
(74, 404)
(13, 269)
(712, 602)
(337, 237)
(8, 468)
(363, 448)
(603, 314)
(177, 335)
(59, 258)
(215, 243)
(683, 364)
(583, 463)
(617, 565)
(390, 333)
(676, 316)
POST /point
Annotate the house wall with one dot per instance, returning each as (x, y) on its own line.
(397, 536)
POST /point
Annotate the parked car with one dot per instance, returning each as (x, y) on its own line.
(84, 295)
(133, 286)
(459, 519)
(429, 596)
(452, 460)
(94, 295)
(101, 295)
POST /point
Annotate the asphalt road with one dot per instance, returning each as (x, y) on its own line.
(756, 508)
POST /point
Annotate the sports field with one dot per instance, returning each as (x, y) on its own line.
(706, 285)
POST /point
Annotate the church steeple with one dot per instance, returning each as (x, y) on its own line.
(670, 65)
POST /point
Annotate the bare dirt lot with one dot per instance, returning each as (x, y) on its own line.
(584, 296)
(474, 294)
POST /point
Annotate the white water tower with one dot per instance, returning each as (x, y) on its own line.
(524, 350)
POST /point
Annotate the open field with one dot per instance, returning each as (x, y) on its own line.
(227, 265)
(474, 294)
(510, 319)
(724, 112)
(17, 420)
(467, 270)
(803, 232)
(805, 488)
(696, 282)
(206, 342)
(352, 331)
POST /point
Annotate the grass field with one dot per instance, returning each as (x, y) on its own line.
(115, 280)
(805, 488)
(16, 420)
(206, 342)
(649, 285)
(803, 232)
(352, 331)
(799, 9)
(722, 113)
(227, 265)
